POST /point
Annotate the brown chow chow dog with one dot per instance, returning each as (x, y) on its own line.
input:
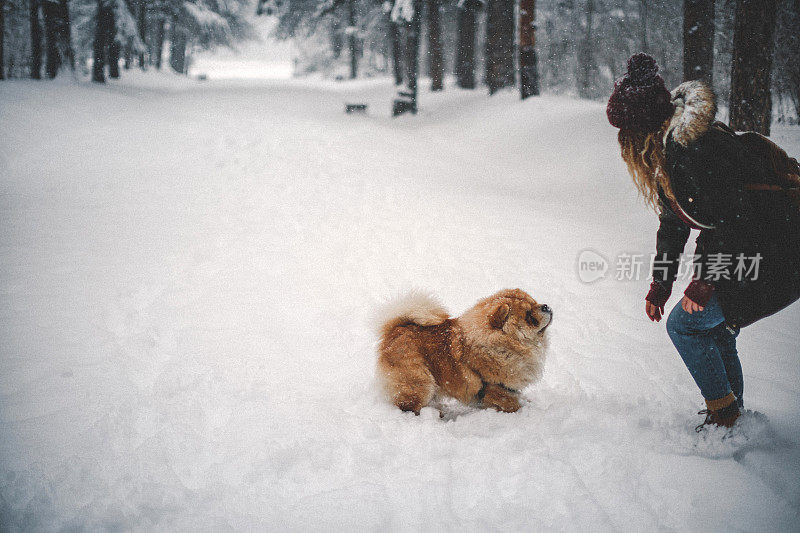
(484, 357)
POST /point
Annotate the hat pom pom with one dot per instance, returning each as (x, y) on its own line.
(641, 66)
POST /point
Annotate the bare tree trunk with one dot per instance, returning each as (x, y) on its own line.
(587, 68)
(412, 53)
(114, 52)
(141, 27)
(528, 63)
(66, 33)
(100, 43)
(698, 40)
(337, 43)
(2, 40)
(114, 46)
(128, 52)
(159, 46)
(177, 49)
(435, 52)
(499, 44)
(788, 53)
(58, 36)
(397, 49)
(643, 26)
(50, 10)
(465, 53)
(352, 38)
(36, 41)
(751, 72)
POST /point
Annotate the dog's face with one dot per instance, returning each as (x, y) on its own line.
(507, 337)
(516, 313)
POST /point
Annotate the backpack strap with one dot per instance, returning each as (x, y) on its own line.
(765, 187)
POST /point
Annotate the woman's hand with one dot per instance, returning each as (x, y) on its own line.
(654, 312)
(689, 306)
(656, 299)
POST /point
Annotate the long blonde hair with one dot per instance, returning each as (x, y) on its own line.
(643, 153)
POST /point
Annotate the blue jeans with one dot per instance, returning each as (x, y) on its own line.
(708, 348)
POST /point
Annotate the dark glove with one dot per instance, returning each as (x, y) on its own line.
(658, 295)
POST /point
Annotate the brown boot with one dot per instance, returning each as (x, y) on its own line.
(721, 412)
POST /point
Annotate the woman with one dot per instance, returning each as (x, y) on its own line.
(737, 190)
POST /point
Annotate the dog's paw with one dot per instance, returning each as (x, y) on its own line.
(501, 399)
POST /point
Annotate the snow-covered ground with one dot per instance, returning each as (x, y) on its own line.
(187, 279)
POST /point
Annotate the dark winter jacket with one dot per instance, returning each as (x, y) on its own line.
(711, 170)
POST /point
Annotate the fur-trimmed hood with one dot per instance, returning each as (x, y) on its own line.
(695, 112)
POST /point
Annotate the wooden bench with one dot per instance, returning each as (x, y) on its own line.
(355, 108)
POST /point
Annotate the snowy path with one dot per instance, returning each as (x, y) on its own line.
(187, 282)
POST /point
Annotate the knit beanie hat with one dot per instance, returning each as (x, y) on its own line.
(640, 101)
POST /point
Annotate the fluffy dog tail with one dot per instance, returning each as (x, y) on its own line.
(416, 307)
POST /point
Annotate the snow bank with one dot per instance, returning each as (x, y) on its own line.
(187, 282)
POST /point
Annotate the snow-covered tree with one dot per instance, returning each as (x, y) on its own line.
(204, 24)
